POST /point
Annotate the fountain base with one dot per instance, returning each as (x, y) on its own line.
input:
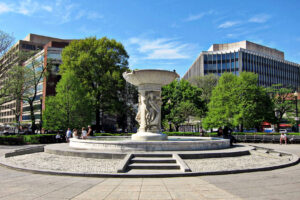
(147, 136)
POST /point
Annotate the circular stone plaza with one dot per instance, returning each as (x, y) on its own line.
(58, 171)
(149, 164)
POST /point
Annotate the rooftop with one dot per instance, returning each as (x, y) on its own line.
(247, 45)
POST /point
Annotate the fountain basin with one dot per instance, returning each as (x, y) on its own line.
(125, 144)
(150, 77)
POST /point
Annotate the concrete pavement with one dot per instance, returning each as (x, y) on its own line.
(276, 184)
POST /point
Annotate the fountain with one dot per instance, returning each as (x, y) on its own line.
(149, 136)
(149, 84)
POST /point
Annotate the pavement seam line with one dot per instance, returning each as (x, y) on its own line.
(88, 188)
(113, 189)
(167, 189)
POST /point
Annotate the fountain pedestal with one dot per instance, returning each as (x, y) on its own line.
(149, 84)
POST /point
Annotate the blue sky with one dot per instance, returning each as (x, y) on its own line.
(160, 34)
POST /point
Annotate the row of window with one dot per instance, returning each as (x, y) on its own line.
(7, 113)
(7, 120)
(8, 106)
(28, 117)
(271, 71)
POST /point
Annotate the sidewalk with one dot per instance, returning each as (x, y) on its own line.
(277, 184)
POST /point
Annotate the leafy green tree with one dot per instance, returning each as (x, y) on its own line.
(98, 64)
(282, 99)
(71, 107)
(222, 108)
(238, 100)
(253, 103)
(176, 96)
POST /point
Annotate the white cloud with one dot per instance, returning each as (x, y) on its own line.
(198, 16)
(195, 17)
(228, 24)
(65, 10)
(261, 18)
(94, 15)
(27, 7)
(4, 8)
(162, 48)
(47, 8)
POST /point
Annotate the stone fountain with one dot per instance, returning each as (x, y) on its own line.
(149, 83)
(149, 136)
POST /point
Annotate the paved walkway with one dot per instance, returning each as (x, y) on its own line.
(277, 184)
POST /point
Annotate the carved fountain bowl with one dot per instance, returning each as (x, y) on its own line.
(150, 76)
(125, 144)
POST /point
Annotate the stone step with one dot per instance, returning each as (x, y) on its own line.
(157, 155)
(158, 166)
(152, 160)
(153, 171)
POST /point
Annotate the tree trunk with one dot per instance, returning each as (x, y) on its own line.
(33, 126)
(97, 120)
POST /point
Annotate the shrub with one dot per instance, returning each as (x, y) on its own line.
(12, 140)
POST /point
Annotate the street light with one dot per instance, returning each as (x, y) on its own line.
(296, 118)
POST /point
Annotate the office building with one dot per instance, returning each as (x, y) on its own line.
(47, 47)
(268, 63)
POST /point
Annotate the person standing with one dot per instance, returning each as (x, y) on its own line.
(68, 134)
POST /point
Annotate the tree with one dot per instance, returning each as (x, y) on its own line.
(221, 108)
(206, 83)
(70, 107)
(176, 96)
(238, 101)
(282, 99)
(5, 42)
(98, 64)
(126, 111)
(14, 87)
(21, 83)
(254, 105)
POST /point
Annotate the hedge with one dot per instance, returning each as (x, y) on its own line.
(27, 139)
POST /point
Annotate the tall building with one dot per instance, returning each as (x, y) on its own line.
(48, 47)
(237, 57)
(51, 54)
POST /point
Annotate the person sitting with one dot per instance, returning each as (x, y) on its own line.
(58, 138)
(75, 133)
(283, 137)
(83, 133)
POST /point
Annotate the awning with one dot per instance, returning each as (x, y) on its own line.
(265, 124)
(285, 125)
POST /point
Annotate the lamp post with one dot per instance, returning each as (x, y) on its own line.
(296, 118)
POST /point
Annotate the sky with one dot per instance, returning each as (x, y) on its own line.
(160, 34)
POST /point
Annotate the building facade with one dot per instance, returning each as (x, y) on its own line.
(50, 55)
(31, 42)
(235, 58)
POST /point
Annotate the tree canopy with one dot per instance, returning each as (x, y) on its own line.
(98, 64)
(71, 107)
(181, 100)
(238, 100)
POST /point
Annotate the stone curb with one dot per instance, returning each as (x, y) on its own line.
(24, 151)
(295, 160)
